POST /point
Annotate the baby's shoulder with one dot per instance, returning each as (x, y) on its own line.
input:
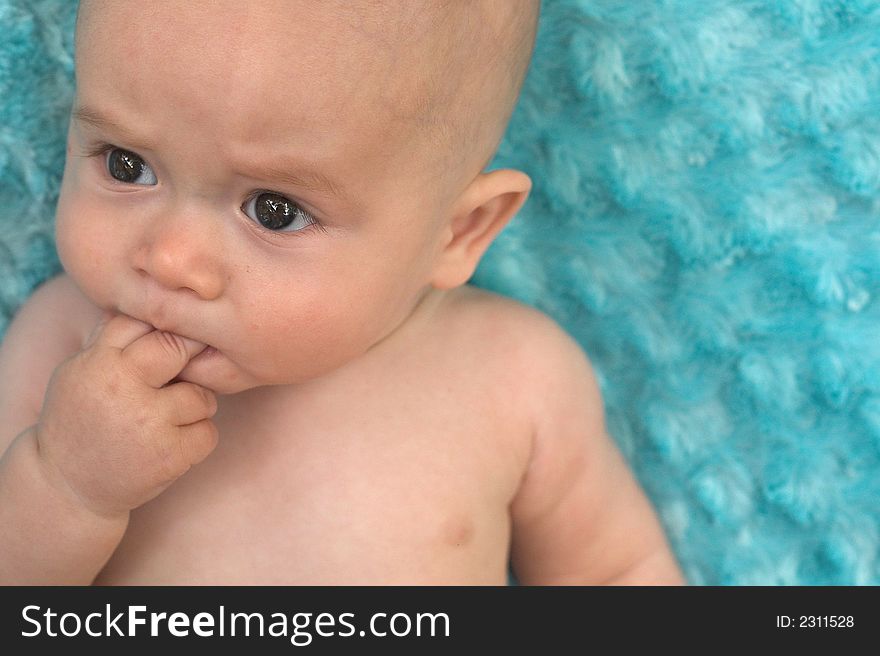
(49, 327)
(534, 349)
(506, 322)
(59, 305)
(55, 318)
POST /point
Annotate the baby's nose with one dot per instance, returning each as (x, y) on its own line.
(180, 254)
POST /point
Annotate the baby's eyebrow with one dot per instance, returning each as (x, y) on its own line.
(288, 174)
(311, 180)
(85, 114)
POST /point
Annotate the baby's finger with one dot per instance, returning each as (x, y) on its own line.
(159, 356)
(198, 440)
(120, 330)
(187, 403)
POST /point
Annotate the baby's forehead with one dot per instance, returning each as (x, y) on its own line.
(391, 44)
(391, 68)
(288, 29)
(337, 54)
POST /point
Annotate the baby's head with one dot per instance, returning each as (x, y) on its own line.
(287, 181)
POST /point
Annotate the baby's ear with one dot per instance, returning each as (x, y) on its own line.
(483, 209)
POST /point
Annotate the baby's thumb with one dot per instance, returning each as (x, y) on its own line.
(159, 356)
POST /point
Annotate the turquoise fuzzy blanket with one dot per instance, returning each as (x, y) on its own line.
(704, 222)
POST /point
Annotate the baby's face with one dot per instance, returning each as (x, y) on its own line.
(238, 173)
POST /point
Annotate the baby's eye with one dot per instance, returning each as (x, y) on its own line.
(275, 212)
(126, 166)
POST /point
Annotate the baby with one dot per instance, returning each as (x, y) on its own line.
(262, 363)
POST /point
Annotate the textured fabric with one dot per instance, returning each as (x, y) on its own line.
(704, 222)
(36, 87)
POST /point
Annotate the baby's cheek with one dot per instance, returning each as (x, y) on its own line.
(306, 346)
(84, 258)
(65, 240)
(74, 250)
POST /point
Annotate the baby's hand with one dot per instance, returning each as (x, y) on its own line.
(111, 431)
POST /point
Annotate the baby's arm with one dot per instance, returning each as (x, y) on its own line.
(89, 438)
(579, 516)
(47, 536)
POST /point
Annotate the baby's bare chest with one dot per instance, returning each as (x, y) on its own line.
(369, 484)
